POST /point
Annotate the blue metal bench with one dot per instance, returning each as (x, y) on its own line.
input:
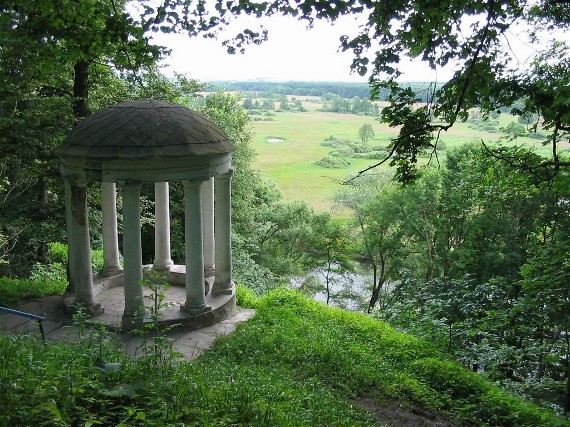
(39, 319)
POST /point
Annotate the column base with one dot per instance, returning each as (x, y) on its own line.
(223, 288)
(110, 271)
(91, 310)
(195, 311)
(132, 322)
(163, 266)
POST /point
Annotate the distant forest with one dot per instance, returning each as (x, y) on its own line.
(342, 89)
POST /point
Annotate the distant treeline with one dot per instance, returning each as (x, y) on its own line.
(342, 89)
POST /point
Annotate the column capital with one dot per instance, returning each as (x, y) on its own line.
(128, 185)
(192, 183)
(228, 175)
(76, 182)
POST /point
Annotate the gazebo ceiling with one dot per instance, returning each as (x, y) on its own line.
(144, 130)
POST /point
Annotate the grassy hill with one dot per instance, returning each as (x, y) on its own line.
(296, 363)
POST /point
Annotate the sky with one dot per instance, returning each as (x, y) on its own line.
(292, 53)
(295, 53)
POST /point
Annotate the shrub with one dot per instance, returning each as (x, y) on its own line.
(330, 143)
(57, 252)
(371, 155)
(378, 148)
(359, 147)
(333, 162)
(342, 152)
(246, 297)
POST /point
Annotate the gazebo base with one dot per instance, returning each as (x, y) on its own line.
(109, 294)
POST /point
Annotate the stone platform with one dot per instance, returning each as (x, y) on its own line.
(189, 340)
(109, 293)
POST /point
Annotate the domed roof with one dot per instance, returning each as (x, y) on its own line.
(144, 130)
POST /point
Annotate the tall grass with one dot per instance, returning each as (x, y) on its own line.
(16, 291)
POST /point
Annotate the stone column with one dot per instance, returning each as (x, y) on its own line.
(223, 222)
(111, 264)
(162, 260)
(193, 250)
(132, 253)
(79, 246)
(208, 226)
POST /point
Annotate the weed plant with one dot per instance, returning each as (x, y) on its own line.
(157, 345)
(295, 363)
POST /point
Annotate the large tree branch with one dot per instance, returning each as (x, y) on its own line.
(460, 101)
(396, 141)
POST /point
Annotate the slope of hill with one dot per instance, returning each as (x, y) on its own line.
(296, 363)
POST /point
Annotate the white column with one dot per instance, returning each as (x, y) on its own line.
(223, 223)
(195, 286)
(79, 247)
(208, 225)
(132, 252)
(71, 241)
(162, 260)
(111, 264)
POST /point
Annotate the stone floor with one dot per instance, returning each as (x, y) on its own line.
(59, 326)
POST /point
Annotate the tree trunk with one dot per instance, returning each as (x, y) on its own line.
(374, 296)
(567, 397)
(81, 89)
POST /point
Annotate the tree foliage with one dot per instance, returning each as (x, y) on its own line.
(473, 256)
(366, 132)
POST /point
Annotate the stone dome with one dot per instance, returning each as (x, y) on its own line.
(144, 130)
(146, 141)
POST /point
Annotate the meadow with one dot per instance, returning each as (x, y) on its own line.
(291, 162)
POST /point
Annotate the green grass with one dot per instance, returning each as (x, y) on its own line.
(296, 363)
(291, 163)
(16, 291)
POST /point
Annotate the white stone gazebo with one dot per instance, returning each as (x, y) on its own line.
(156, 142)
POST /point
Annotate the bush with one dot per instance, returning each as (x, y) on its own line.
(485, 125)
(372, 155)
(246, 297)
(53, 272)
(378, 148)
(330, 143)
(332, 162)
(57, 252)
(342, 152)
(359, 147)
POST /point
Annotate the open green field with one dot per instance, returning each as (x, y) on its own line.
(291, 163)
